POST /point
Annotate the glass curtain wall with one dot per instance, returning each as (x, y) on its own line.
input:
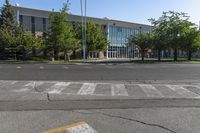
(118, 38)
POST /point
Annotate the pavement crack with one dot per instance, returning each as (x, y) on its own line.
(138, 121)
(35, 87)
(84, 112)
(48, 97)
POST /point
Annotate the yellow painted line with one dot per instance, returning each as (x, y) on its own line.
(61, 129)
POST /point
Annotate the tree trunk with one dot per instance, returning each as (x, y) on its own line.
(175, 54)
(159, 55)
(142, 55)
(65, 54)
(189, 55)
(74, 54)
(68, 57)
(58, 55)
(24, 54)
(34, 52)
(45, 52)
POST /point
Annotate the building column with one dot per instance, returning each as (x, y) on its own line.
(18, 17)
(108, 31)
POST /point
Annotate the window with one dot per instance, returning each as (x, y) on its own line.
(33, 24)
(44, 28)
(20, 20)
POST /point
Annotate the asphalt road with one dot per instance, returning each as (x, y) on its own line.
(100, 72)
(143, 120)
(45, 111)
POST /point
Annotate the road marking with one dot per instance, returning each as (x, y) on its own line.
(80, 127)
(41, 67)
(150, 90)
(14, 82)
(58, 87)
(182, 91)
(18, 67)
(65, 67)
(31, 84)
(34, 84)
(110, 67)
(87, 67)
(22, 90)
(87, 89)
(118, 90)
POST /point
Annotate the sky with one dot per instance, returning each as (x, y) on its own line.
(138, 11)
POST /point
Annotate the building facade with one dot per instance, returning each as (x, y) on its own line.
(37, 21)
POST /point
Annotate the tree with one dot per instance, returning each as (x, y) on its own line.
(8, 29)
(27, 41)
(159, 38)
(142, 40)
(7, 40)
(8, 19)
(173, 24)
(96, 39)
(61, 37)
(190, 39)
(70, 43)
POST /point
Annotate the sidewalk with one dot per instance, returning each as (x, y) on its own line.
(101, 61)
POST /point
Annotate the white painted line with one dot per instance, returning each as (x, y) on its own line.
(87, 89)
(84, 128)
(58, 87)
(80, 127)
(6, 83)
(65, 67)
(22, 90)
(18, 67)
(14, 82)
(31, 84)
(118, 90)
(110, 67)
(87, 67)
(150, 90)
(182, 91)
(41, 67)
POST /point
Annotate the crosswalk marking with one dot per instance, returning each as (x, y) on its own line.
(27, 87)
(182, 91)
(31, 84)
(103, 89)
(87, 89)
(118, 90)
(58, 87)
(14, 82)
(22, 90)
(151, 91)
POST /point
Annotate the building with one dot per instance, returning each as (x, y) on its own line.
(37, 21)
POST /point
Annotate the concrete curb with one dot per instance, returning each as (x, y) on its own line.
(120, 103)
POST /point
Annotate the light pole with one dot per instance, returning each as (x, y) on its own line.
(84, 27)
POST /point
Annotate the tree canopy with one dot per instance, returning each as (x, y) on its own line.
(142, 40)
(61, 36)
